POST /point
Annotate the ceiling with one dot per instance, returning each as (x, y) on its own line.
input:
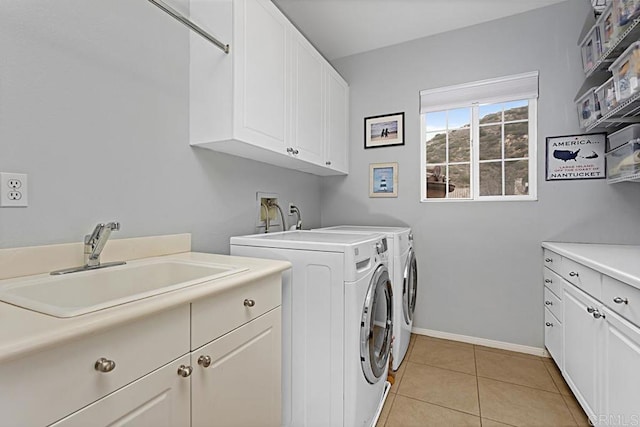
(339, 28)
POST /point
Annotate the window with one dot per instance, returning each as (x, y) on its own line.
(479, 140)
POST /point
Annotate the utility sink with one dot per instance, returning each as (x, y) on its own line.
(88, 291)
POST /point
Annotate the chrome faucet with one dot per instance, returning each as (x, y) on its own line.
(94, 243)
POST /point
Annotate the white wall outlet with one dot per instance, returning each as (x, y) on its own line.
(13, 190)
(290, 211)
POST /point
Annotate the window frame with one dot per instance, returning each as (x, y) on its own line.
(475, 155)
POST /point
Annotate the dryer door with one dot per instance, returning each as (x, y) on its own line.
(376, 327)
(410, 287)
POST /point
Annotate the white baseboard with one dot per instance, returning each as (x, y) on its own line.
(536, 351)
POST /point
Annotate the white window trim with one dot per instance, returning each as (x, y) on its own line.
(475, 154)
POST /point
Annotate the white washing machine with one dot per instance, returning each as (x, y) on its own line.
(337, 316)
(403, 270)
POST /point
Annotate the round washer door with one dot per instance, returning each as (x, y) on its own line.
(376, 328)
(410, 287)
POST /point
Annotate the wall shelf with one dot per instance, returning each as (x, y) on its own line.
(628, 36)
(626, 112)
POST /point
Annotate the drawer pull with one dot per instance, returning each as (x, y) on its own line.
(104, 365)
(184, 371)
(328, 163)
(591, 310)
(249, 303)
(573, 274)
(598, 315)
(549, 324)
(204, 361)
(619, 300)
(548, 281)
(548, 260)
(548, 303)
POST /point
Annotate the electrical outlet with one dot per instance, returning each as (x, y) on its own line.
(13, 190)
(291, 211)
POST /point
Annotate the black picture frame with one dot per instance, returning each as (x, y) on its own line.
(586, 152)
(384, 131)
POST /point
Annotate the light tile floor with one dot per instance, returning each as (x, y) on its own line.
(448, 383)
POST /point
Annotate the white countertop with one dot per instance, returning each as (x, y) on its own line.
(25, 331)
(622, 262)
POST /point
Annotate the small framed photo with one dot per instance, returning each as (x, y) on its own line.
(576, 157)
(383, 180)
(384, 131)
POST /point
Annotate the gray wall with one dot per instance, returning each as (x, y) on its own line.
(480, 262)
(94, 107)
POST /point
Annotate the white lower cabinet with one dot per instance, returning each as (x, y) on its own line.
(582, 336)
(599, 349)
(620, 365)
(160, 399)
(236, 378)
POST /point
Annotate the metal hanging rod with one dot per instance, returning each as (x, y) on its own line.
(186, 21)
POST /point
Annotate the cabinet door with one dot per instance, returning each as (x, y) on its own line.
(337, 119)
(582, 336)
(241, 386)
(553, 336)
(160, 399)
(620, 372)
(261, 74)
(308, 98)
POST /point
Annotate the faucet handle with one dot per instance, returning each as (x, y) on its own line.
(90, 238)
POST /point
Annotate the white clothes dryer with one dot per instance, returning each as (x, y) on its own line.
(337, 316)
(403, 270)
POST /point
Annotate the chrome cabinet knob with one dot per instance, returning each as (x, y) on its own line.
(328, 163)
(249, 303)
(598, 315)
(548, 303)
(620, 300)
(573, 274)
(104, 365)
(549, 324)
(548, 281)
(204, 361)
(590, 310)
(548, 260)
(184, 371)
(295, 152)
(289, 150)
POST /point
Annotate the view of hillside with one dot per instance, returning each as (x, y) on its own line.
(516, 140)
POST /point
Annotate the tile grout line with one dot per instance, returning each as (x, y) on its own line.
(475, 364)
(438, 405)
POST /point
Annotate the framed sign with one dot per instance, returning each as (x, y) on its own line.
(576, 157)
(383, 180)
(383, 131)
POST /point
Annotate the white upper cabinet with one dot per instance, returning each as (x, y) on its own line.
(273, 98)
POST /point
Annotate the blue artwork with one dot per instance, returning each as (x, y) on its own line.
(383, 180)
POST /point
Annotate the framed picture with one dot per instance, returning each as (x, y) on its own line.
(383, 180)
(384, 131)
(576, 157)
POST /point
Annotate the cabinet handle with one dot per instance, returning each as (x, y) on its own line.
(549, 324)
(295, 152)
(328, 163)
(619, 300)
(548, 260)
(204, 361)
(289, 150)
(184, 371)
(590, 310)
(104, 365)
(573, 274)
(548, 281)
(598, 315)
(249, 303)
(548, 303)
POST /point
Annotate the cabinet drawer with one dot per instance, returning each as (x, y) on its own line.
(553, 303)
(553, 336)
(60, 380)
(621, 298)
(552, 260)
(583, 277)
(215, 316)
(553, 282)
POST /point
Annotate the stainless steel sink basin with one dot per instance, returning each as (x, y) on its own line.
(85, 292)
